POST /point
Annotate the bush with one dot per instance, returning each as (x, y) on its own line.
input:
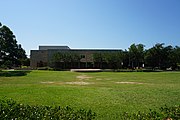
(13, 73)
(165, 113)
(11, 110)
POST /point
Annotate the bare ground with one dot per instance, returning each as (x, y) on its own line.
(129, 83)
(48, 82)
(83, 77)
(79, 83)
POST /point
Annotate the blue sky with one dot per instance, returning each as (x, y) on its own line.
(92, 23)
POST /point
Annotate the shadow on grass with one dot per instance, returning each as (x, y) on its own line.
(13, 73)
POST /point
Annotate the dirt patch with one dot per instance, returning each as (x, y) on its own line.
(69, 83)
(129, 83)
(47, 82)
(103, 78)
(78, 83)
(83, 77)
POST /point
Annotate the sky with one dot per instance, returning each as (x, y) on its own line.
(92, 23)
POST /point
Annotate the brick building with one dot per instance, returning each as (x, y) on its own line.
(43, 56)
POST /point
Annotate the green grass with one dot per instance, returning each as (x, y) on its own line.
(102, 95)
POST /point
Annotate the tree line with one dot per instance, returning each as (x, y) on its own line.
(11, 53)
(157, 57)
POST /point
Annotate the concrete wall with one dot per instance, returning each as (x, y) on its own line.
(38, 57)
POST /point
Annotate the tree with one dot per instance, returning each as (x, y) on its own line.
(176, 57)
(98, 59)
(112, 60)
(65, 60)
(75, 60)
(136, 54)
(167, 55)
(162, 57)
(26, 62)
(57, 60)
(157, 56)
(11, 53)
(126, 59)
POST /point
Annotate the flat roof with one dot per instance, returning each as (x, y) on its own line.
(53, 47)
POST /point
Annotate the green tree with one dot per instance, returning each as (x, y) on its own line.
(114, 59)
(136, 54)
(126, 59)
(167, 55)
(57, 61)
(176, 57)
(65, 60)
(75, 60)
(163, 57)
(155, 55)
(98, 59)
(26, 62)
(11, 53)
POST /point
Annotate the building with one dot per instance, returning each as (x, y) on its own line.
(44, 57)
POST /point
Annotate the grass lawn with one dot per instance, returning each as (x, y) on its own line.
(106, 93)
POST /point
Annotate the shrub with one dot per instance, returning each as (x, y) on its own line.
(13, 73)
(11, 110)
(164, 113)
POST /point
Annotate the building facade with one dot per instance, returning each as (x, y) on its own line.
(44, 57)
